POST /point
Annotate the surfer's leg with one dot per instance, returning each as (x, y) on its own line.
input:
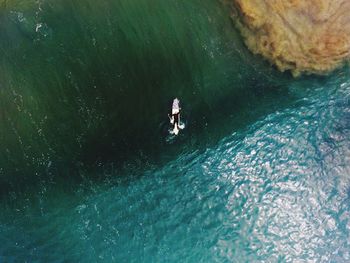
(176, 128)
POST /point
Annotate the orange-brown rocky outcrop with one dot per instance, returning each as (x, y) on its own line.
(304, 36)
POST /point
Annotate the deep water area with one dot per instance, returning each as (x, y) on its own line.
(89, 172)
(86, 82)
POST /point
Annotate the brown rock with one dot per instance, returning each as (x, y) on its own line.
(304, 36)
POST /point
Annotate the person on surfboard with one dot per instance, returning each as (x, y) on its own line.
(175, 116)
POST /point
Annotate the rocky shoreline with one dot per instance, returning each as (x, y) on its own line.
(303, 36)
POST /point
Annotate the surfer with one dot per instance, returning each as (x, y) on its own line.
(175, 116)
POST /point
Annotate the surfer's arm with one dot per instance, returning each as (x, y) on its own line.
(171, 118)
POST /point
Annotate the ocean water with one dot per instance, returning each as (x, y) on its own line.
(89, 173)
(81, 79)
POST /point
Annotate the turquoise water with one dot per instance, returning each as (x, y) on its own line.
(260, 174)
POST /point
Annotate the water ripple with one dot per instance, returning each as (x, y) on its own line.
(278, 191)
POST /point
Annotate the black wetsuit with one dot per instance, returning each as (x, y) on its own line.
(176, 118)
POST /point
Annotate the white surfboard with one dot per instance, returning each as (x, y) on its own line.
(176, 109)
(177, 128)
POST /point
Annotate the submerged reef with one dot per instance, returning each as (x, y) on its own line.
(303, 36)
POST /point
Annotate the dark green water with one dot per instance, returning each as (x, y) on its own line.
(86, 82)
(88, 172)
